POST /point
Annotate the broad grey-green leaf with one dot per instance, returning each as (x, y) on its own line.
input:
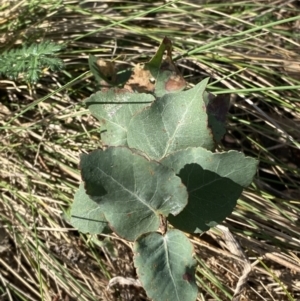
(114, 109)
(87, 215)
(174, 122)
(214, 182)
(133, 191)
(165, 266)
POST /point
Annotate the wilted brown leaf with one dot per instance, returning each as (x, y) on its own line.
(141, 80)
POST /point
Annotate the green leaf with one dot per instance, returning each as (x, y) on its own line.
(86, 215)
(30, 60)
(114, 109)
(214, 182)
(174, 122)
(165, 266)
(131, 190)
(217, 108)
(154, 64)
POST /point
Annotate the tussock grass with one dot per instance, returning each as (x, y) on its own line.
(250, 49)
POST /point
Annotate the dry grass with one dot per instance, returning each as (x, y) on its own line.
(248, 48)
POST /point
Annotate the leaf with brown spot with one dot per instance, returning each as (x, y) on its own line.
(169, 78)
(159, 75)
